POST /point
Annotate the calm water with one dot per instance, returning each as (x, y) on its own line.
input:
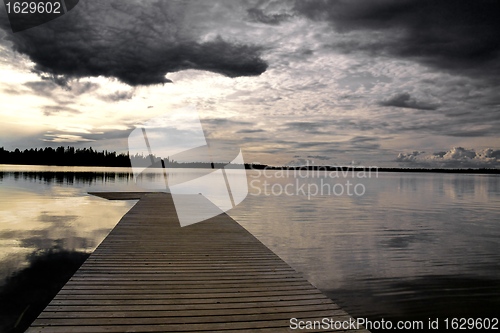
(413, 246)
(44, 207)
(395, 246)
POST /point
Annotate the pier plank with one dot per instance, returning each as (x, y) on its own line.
(151, 275)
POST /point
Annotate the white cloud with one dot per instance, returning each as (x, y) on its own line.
(457, 157)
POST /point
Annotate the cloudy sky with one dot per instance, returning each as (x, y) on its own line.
(375, 82)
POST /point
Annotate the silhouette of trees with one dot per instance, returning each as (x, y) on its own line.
(64, 156)
(70, 156)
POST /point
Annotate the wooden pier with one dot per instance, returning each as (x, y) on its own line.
(151, 275)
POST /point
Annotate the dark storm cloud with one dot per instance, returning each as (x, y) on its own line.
(405, 100)
(137, 43)
(458, 35)
(258, 15)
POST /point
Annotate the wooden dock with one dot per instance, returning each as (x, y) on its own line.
(151, 275)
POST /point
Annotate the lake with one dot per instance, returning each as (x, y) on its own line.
(381, 245)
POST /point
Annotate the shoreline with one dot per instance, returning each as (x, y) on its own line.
(322, 168)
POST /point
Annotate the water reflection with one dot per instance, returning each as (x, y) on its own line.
(68, 178)
(394, 249)
(453, 186)
(41, 209)
(422, 297)
(26, 293)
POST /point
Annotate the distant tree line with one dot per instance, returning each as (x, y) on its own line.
(68, 156)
